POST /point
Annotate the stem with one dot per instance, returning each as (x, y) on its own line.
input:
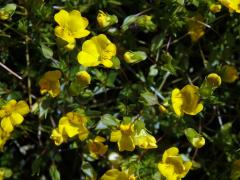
(10, 71)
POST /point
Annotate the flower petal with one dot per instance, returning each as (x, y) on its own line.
(22, 108)
(126, 143)
(16, 118)
(6, 124)
(62, 17)
(177, 102)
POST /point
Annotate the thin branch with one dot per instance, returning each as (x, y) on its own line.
(10, 71)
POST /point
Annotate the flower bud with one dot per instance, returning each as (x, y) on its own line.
(83, 77)
(213, 80)
(145, 21)
(215, 8)
(162, 109)
(105, 20)
(132, 57)
(229, 74)
(194, 138)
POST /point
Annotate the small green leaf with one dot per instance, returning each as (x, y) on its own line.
(116, 63)
(54, 173)
(46, 51)
(148, 99)
(106, 121)
(88, 170)
(128, 21)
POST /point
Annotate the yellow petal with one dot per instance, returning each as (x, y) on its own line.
(22, 108)
(57, 137)
(111, 174)
(6, 124)
(173, 151)
(107, 63)
(115, 136)
(167, 171)
(61, 17)
(177, 102)
(53, 75)
(83, 133)
(16, 118)
(71, 130)
(87, 59)
(99, 139)
(126, 143)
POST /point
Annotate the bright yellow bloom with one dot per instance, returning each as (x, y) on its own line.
(97, 50)
(186, 100)
(215, 8)
(83, 77)
(213, 80)
(58, 135)
(232, 5)
(115, 174)
(145, 140)
(229, 74)
(12, 114)
(196, 28)
(105, 20)
(71, 26)
(124, 137)
(70, 125)
(172, 166)
(96, 146)
(50, 83)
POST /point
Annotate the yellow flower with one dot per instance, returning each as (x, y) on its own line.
(186, 100)
(145, 140)
(115, 174)
(83, 77)
(50, 83)
(215, 8)
(96, 146)
(97, 50)
(105, 20)
(70, 125)
(196, 28)
(229, 74)
(75, 124)
(58, 135)
(12, 114)
(232, 5)
(172, 166)
(213, 80)
(71, 26)
(124, 137)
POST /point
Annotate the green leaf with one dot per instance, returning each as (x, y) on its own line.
(9, 8)
(88, 170)
(157, 42)
(116, 63)
(148, 99)
(54, 173)
(128, 21)
(46, 51)
(106, 121)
